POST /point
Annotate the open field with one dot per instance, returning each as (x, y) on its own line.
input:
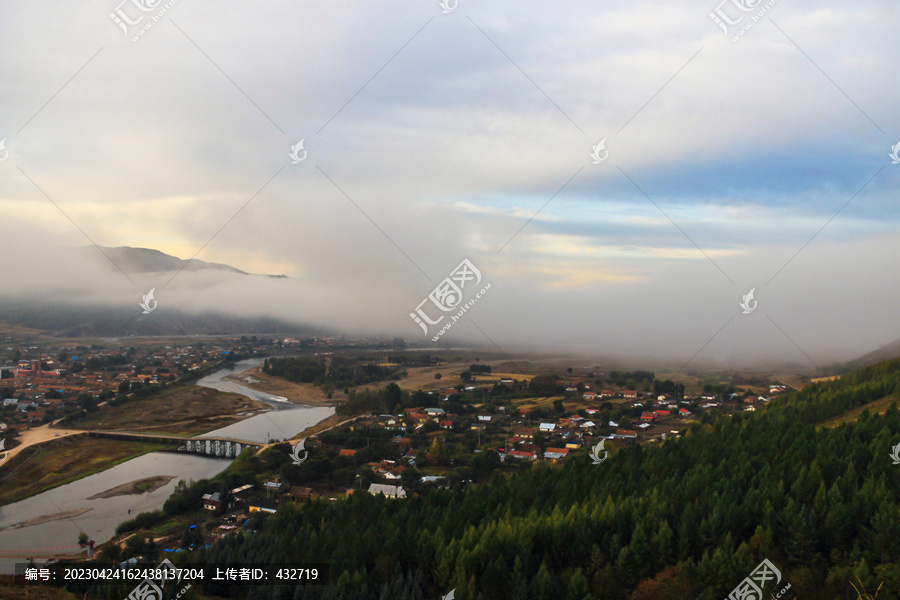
(58, 462)
(301, 393)
(532, 403)
(181, 411)
(878, 407)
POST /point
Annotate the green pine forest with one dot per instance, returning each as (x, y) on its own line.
(689, 518)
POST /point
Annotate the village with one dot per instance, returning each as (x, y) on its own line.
(487, 422)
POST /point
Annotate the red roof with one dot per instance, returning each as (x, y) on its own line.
(648, 416)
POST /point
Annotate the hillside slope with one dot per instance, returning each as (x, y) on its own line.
(690, 518)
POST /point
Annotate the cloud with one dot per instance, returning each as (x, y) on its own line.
(434, 137)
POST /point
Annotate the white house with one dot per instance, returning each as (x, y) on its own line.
(390, 491)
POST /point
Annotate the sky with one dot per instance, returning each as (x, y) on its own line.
(437, 133)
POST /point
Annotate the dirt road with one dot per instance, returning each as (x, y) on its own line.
(38, 435)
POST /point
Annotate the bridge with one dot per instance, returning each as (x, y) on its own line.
(208, 446)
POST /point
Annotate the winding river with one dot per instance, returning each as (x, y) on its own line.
(99, 517)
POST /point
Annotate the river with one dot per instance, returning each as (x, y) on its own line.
(290, 419)
(106, 513)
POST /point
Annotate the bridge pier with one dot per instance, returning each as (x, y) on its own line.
(219, 447)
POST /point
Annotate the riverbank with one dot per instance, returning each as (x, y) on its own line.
(184, 410)
(61, 461)
(297, 393)
(66, 514)
(138, 486)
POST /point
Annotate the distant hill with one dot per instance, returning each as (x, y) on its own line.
(64, 320)
(885, 352)
(147, 260)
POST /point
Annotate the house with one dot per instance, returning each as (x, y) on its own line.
(526, 433)
(522, 454)
(477, 427)
(484, 418)
(212, 502)
(590, 396)
(506, 380)
(625, 433)
(684, 412)
(389, 491)
(303, 493)
(275, 486)
(555, 454)
(433, 412)
(446, 424)
(573, 444)
(588, 424)
(242, 492)
(648, 417)
(263, 505)
(662, 413)
(547, 426)
(607, 394)
(750, 399)
(346, 452)
(666, 398)
(630, 394)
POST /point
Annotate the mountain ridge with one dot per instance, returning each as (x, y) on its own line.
(149, 260)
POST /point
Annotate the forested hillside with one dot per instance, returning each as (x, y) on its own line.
(689, 518)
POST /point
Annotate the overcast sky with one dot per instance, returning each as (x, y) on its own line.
(431, 137)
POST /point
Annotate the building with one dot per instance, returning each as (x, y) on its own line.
(628, 434)
(212, 502)
(555, 454)
(389, 491)
(263, 505)
(303, 494)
